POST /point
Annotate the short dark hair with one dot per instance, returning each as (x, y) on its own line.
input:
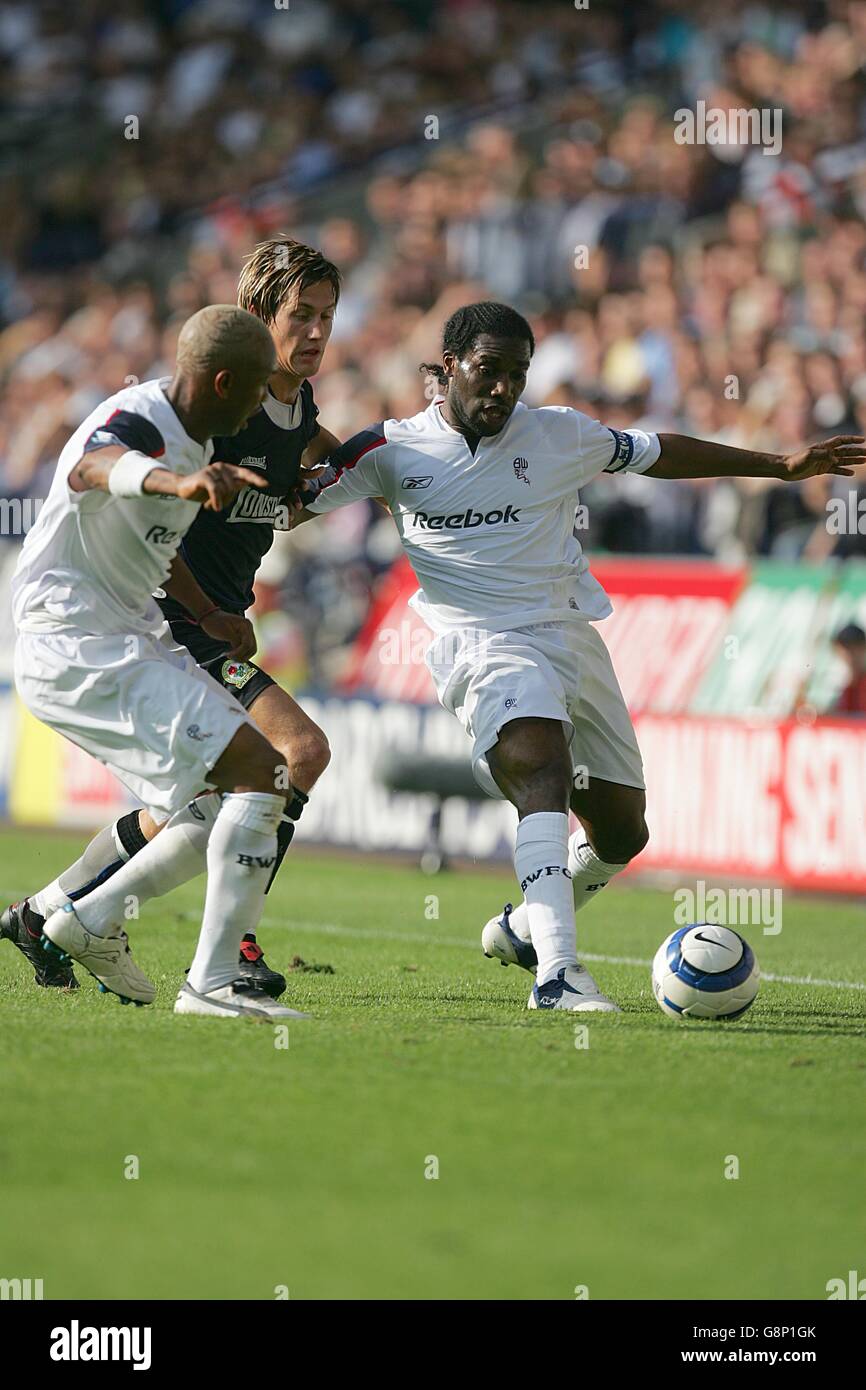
(468, 323)
(277, 271)
(851, 635)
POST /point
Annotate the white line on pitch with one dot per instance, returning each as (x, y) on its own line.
(424, 939)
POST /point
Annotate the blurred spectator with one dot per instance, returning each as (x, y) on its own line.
(850, 643)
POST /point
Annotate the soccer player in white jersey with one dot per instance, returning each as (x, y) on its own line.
(95, 661)
(294, 290)
(483, 491)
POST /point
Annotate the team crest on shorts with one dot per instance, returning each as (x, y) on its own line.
(237, 673)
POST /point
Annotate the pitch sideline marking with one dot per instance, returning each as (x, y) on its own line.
(334, 929)
(365, 933)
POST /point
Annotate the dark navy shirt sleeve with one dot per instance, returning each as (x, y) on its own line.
(129, 430)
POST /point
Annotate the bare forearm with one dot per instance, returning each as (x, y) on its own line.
(182, 585)
(92, 472)
(319, 448)
(683, 457)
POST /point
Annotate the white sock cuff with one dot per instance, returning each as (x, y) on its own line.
(545, 827)
(259, 811)
(202, 811)
(582, 856)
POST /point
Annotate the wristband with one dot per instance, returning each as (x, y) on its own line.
(208, 611)
(126, 478)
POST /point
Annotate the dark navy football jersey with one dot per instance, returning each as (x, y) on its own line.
(224, 549)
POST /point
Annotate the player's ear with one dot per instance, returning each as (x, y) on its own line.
(223, 383)
(449, 362)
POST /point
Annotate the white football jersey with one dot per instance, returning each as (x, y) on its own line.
(91, 561)
(491, 536)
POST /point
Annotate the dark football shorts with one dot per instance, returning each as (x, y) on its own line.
(243, 679)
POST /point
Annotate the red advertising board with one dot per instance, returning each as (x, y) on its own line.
(668, 620)
(783, 802)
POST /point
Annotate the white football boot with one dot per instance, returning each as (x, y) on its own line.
(501, 942)
(108, 958)
(573, 989)
(239, 999)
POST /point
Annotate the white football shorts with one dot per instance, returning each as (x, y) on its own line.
(139, 704)
(548, 671)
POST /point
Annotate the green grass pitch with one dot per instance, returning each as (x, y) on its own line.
(264, 1168)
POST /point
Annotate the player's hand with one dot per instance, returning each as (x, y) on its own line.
(234, 629)
(303, 490)
(217, 485)
(841, 454)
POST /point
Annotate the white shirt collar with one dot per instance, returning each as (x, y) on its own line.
(286, 417)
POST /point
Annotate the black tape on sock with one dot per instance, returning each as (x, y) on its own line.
(129, 833)
(295, 803)
(285, 832)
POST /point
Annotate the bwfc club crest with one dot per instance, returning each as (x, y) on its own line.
(520, 467)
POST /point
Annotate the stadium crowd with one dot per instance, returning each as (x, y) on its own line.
(439, 153)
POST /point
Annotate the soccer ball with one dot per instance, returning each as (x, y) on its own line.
(705, 971)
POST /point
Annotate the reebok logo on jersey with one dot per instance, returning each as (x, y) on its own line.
(462, 521)
(546, 873)
(418, 482)
(160, 535)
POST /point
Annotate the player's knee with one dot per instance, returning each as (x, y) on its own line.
(623, 842)
(536, 786)
(307, 755)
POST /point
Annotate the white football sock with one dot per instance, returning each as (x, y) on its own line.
(174, 856)
(104, 849)
(588, 872)
(588, 875)
(541, 861)
(240, 855)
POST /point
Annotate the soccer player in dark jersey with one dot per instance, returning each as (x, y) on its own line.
(294, 290)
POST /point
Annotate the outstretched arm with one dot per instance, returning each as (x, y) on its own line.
(682, 457)
(214, 486)
(313, 464)
(350, 474)
(318, 449)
